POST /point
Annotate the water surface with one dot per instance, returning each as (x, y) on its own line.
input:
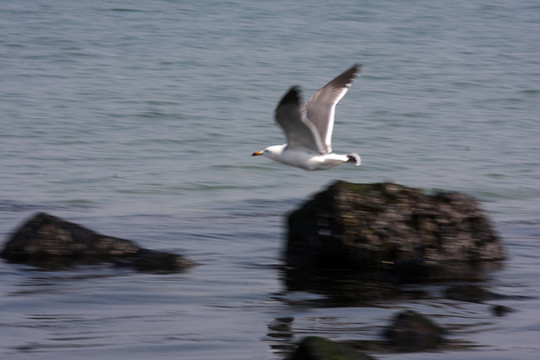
(137, 119)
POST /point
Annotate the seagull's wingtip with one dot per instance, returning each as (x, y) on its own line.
(291, 97)
(354, 158)
(357, 67)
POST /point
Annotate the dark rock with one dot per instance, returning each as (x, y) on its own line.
(501, 310)
(411, 331)
(151, 260)
(383, 225)
(46, 240)
(318, 348)
(471, 293)
(416, 270)
(347, 287)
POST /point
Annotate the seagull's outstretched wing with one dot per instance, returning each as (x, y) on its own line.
(321, 106)
(291, 116)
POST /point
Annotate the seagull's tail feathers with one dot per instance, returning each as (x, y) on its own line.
(354, 158)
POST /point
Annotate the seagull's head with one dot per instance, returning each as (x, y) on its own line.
(272, 152)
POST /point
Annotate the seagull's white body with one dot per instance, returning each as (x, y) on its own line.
(308, 128)
(304, 158)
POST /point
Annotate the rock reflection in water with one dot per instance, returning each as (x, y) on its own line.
(280, 335)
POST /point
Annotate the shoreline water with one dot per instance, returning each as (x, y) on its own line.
(240, 272)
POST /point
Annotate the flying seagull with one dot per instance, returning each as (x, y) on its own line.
(308, 128)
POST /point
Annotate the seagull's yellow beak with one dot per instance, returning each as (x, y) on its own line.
(257, 153)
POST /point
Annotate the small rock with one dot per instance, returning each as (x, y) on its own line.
(470, 293)
(319, 348)
(501, 310)
(151, 260)
(412, 331)
(46, 240)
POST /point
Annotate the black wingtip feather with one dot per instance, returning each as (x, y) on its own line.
(291, 97)
(354, 158)
(355, 70)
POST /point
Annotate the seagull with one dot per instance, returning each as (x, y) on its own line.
(308, 128)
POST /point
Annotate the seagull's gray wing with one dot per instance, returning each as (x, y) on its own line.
(321, 106)
(291, 116)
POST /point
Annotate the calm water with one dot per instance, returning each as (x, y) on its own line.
(138, 118)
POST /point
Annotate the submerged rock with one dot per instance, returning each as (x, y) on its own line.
(46, 240)
(386, 225)
(471, 293)
(501, 310)
(411, 331)
(319, 348)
